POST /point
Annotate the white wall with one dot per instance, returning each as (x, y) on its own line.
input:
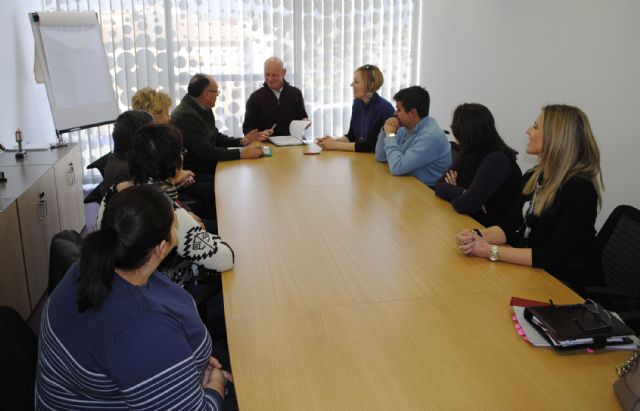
(517, 56)
(23, 103)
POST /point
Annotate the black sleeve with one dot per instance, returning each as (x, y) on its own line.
(198, 142)
(494, 169)
(578, 205)
(222, 140)
(250, 115)
(447, 191)
(302, 111)
(351, 135)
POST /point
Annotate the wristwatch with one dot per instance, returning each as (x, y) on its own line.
(493, 253)
(391, 135)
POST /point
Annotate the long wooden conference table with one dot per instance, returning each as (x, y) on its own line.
(349, 293)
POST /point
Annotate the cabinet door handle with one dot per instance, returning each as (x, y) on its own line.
(43, 209)
(71, 175)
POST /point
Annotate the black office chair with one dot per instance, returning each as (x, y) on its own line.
(65, 250)
(618, 243)
(100, 164)
(18, 362)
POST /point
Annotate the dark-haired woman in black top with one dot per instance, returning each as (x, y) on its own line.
(484, 180)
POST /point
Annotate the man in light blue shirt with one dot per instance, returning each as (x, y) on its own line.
(411, 142)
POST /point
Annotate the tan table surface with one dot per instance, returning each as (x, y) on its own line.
(349, 293)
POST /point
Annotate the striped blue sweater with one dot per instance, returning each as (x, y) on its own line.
(145, 348)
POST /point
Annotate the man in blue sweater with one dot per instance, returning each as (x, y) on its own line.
(411, 142)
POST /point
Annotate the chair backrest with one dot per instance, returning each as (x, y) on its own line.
(100, 164)
(18, 362)
(619, 244)
(65, 250)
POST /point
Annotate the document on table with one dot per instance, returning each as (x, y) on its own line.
(296, 131)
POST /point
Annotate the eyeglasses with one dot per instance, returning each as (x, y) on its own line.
(216, 92)
(599, 312)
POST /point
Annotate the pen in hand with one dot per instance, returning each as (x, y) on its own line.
(269, 132)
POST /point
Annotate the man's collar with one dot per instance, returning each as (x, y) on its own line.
(284, 84)
(418, 126)
(203, 108)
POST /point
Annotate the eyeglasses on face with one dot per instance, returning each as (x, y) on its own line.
(216, 92)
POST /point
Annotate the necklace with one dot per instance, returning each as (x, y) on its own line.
(363, 121)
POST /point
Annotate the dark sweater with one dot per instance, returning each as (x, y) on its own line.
(488, 191)
(264, 109)
(366, 122)
(205, 145)
(144, 348)
(562, 239)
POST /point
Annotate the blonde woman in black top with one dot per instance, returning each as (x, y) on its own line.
(552, 224)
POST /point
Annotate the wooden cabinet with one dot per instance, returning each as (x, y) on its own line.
(42, 195)
(39, 222)
(68, 175)
(13, 283)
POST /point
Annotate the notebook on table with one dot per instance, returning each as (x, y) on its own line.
(575, 326)
(296, 131)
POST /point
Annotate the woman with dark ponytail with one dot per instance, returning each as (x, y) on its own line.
(115, 329)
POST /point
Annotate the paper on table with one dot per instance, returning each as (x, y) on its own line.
(533, 336)
(297, 128)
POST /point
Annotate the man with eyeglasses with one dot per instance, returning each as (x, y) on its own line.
(205, 144)
(276, 103)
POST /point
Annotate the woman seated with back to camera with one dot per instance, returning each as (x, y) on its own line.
(115, 333)
(484, 180)
(155, 157)
(198, 194)
(368, 114)
(551, 226)
(117, 164)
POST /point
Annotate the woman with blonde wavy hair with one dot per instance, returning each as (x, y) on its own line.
(552, 223)
(156, 103)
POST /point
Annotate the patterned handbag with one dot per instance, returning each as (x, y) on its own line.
(627, 388)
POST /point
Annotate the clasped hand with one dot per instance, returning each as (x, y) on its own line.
(326, 143)
(391, 125)
(471, 243)
(215, 377)
(451, 177)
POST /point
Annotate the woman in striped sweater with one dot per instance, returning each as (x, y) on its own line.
(115, 333)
